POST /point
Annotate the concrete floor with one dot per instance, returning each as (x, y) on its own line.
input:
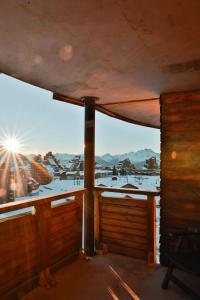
(107, 277)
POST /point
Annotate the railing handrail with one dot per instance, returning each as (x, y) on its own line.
(126, 191)
(11, 206)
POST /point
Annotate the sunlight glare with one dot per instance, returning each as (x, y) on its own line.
(12, 145)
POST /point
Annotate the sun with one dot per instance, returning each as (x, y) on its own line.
(12, 145)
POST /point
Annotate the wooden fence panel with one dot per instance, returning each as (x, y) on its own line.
(33, 245)
(125, 226)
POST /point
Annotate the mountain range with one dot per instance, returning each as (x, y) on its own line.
(138, 158)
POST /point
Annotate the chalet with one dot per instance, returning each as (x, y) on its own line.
(129, 186)
(4, 184)
(128, 196)
(40, 173)
(71, 175)
(151, 163)
(136, 61)
(102, 173)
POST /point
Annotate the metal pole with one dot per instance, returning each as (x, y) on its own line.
(89, 175)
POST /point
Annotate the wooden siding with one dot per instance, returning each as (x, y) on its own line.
(180, 164)
(31, 243)
(125, 225)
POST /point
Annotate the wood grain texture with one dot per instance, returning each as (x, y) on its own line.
(125, 226)
(30, 244)
(180, 164)
(126, 191)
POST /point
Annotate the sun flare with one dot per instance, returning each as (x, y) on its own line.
(12, 145)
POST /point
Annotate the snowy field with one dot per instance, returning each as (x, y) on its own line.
(57, 185)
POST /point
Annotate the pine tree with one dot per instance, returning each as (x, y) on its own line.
(114, 171)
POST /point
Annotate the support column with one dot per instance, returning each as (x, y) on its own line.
(89, 174)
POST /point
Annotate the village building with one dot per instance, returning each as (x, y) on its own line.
(40, 173)
(129, 186)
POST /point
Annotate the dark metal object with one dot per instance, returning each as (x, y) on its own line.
(186, 262)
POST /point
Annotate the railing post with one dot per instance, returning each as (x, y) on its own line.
(89, 176)
(43, 215)
(79, 227)
(97, 199)
(151, 202)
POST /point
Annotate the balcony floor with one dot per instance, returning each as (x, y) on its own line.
(109, 276)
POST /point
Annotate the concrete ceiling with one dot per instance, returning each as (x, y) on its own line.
(117, 50)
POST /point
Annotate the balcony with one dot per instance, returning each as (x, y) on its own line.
(137, 61)
(42, 242)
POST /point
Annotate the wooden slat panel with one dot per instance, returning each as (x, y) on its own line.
(124, 243)
(21, 237)
(63, 218)
(62, 226)
(16, 281)
(180, 137)
(129, 218)
(124, 226)
(185, 154)
(138, 253)
(63, 208)
(180, 97)
(13, 269)
(181, 215)
(138, 228)
(180, 126)
(66, 230)
(17, 226)
(61, 250)
(186, 204)
(177, 111)
(121, 236)
(180, 174)
(124, 210)
(101, 189)
(138, 203)
(19, 256)
(180, 164)
(139, 233)
(64, 235)
(189, 185)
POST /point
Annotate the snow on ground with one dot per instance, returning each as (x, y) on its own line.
(142, 182)
(57, 185)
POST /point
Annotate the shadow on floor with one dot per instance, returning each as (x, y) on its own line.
(109, 276)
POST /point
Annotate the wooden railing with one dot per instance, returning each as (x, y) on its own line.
(126, 225)
(34, 243)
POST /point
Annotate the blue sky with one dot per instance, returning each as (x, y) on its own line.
(42, 124)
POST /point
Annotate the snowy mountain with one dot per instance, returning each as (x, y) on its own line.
(141, 155)
(138, 158)
(107, 157)
(64, 156)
